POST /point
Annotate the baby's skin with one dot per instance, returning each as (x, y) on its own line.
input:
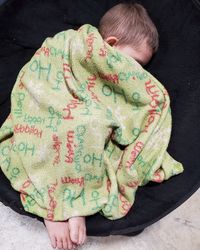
(71, 233)
(67, 234)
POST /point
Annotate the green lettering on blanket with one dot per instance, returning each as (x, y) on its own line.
(41, 70)
(55, 119)
(58, 81)
(113, 92)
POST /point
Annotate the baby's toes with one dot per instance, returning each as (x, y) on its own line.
(82, 235)
(67, 244)
(53, 241)
(84, 238)
(59, 243)
(74, 235)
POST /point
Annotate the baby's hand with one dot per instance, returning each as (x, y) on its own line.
(58, 232)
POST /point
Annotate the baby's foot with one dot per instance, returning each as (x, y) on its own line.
(58, 232)
(77, 229)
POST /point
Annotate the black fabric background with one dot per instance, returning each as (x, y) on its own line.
(23, 27)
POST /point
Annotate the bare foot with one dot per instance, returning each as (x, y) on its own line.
(58, 232)
(77, 229)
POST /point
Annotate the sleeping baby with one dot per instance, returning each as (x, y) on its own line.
(88, 124)
(128, 28)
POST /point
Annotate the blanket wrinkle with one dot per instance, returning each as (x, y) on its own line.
(88, 126)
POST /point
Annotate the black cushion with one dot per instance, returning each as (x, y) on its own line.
(23, 27)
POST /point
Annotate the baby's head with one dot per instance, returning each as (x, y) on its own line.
(128, 28)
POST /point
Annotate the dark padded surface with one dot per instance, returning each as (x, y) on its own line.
(23, 27)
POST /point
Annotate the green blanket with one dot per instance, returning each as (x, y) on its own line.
(88, 126)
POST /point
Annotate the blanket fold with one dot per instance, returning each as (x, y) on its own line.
(88, 126)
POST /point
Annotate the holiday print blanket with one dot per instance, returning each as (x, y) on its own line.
(88, 126)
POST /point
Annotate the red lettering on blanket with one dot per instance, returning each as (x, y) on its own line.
(74, 94)
(136, 150)
(149, 121)
(165, 102)
(52, 202)
(70, 145)
(91, 84)
(23, 196)
(19, 128)
(68, 179)
(103, 51)
(125, 204)
(56, 147)
(21, 85)
(119, 165)
(133, 184)
(113, 78)
(44, 50)
(24, 186)
(157, 177)
(72, 105)
(67, 69)
(89, 41)
(153, 104)
(122, 189)
(26, 183)
(108, 185)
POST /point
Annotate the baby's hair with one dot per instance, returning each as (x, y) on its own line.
(131, 24)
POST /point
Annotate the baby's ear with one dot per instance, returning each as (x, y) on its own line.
(111, 40)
